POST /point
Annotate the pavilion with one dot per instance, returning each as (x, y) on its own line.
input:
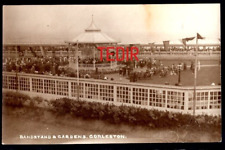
(88, 40)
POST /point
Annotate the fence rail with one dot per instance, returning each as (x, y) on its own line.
(65, 53)
(161, 97)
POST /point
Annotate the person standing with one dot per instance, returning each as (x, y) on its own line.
(192, 67)
(199, 65)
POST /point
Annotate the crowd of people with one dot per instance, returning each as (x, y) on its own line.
(153, 67)
(57, 66)
(38, 65)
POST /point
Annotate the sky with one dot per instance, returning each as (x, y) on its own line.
(125, 23)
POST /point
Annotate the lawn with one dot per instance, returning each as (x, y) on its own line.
(209, 73)
(205, 76)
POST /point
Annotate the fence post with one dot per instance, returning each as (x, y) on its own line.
(30, 84)
(55, 87)
(18, 82)
(69, 89)
(7, 78)
(186, 101)
(84, 90)
(148, 99)
(115, 93)
(43, 80)
(165, 99)
(208, 101)
(131, 95)
(98, 91)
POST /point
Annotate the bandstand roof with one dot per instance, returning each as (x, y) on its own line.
(93, 35)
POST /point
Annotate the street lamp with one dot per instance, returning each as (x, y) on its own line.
(179, 69)
(77, 61)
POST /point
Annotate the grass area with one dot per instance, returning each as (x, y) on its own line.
(182, 57)
(188, 62)
(205, 76)
(18, 121)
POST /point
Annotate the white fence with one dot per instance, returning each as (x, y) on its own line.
(65, 53)
(161, 97)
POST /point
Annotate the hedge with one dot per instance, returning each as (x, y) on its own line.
(131, 115)
(134, 116)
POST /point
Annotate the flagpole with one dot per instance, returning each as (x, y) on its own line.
(78, 85)
(17, 82)
(195, 76)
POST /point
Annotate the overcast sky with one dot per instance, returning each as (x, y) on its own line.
(127, 23)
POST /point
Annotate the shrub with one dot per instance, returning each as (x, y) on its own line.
(62, 105)
(15, 99)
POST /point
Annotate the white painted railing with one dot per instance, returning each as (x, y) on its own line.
(65, 53)
(150, 96)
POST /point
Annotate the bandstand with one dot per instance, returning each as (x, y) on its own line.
(84, 46)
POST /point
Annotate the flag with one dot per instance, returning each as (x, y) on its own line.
(186, 40)
(199, 36)
(166, 45)
(189, 39)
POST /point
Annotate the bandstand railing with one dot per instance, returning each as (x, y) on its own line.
(112, 64)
